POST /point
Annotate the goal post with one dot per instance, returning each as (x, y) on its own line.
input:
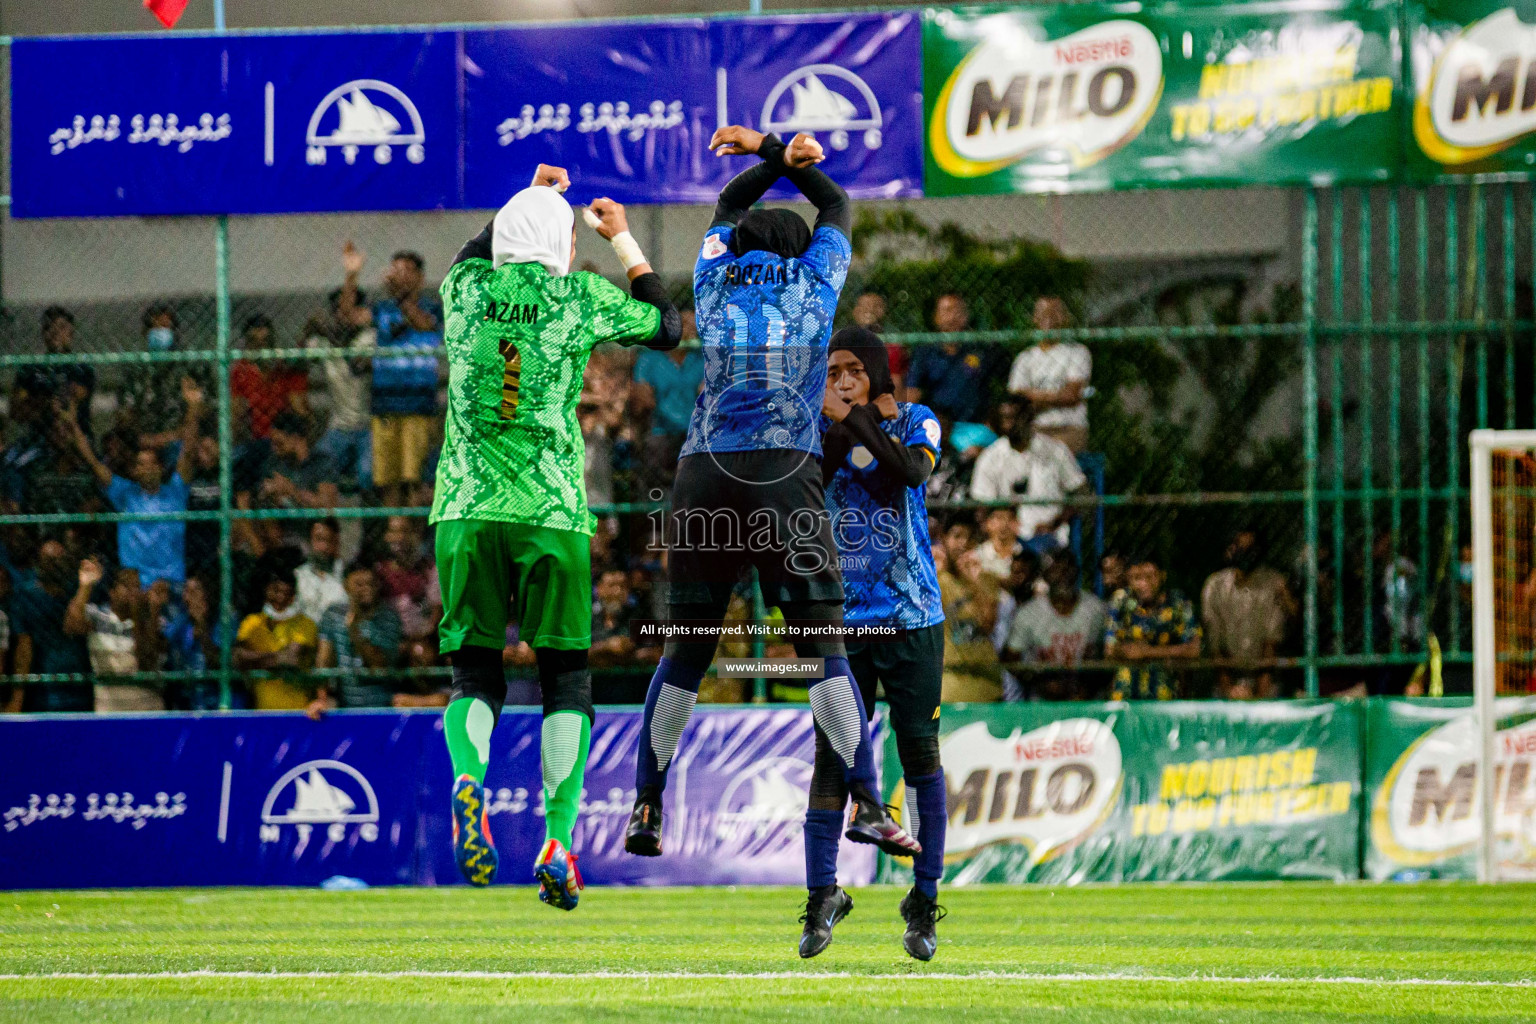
(1503, 465)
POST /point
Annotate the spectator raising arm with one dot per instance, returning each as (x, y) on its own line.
(76, 622)
(192, 396)
(348, 311)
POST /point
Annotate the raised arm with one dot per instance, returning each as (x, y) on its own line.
(742, 191)
(479, 247)
(607, 218)
(832, 206)
(82, 445)
(192, 396)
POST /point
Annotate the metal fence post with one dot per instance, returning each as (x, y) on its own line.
(226, 556)
(1309, 434)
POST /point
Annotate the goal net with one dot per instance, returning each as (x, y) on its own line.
(1503, 464)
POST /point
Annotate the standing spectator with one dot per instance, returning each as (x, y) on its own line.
(1053, 375)
(600, 415)
(1245, 608)
(404, 387)
(408, 573)
(1399, 619)
(1000, 530)
(42, 646)
(348, 438)
(278, 637)
(667, 386)
(1024, 463)
(362, 634)
(321, 579)
(1112, 574)
(112, 632)
(971, 668)
(74, 383)
(869, 313)
(952, 377)
(262, 390)
(153, 396)
(1061, 628)
(1149, 624)
(155, 548)
(193, 643)
(39, 472)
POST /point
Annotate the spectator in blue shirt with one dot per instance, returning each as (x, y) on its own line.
(157, 548)
(404, 387)
(42, 646)
(952, 378)
(667, 386)
(193, 640)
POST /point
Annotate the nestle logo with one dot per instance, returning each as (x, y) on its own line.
(1047, 750)
(1097, 50)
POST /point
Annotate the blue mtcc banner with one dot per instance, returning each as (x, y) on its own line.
(275, 799)
(309, 122)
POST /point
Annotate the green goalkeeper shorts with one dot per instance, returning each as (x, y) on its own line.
(539, 576)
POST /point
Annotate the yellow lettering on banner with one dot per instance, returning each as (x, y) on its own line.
(1303, 766)
(1157, 821)
(1301, 803)
(1183, 816)
(1242, 778)
(1225, 810)
(1221, 776)
(1199, 119)
(1139, 819)
(1199, 775)
(1205, 814)
(1244, 813)
(1341, 798)
(1279, 769)
(1213, 79)
(1265, 809)
(1261, 774)
(1381, 94)
(1180, 119)
(1173, 780)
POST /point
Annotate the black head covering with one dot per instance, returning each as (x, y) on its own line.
(781, 232)
(871, 351)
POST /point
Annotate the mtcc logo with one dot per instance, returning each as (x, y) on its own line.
(322, 792)
(803, 101)
(362, 114)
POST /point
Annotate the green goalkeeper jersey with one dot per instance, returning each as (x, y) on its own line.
(518, 340)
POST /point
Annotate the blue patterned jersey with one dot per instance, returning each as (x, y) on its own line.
(764, 322)
(881, 529)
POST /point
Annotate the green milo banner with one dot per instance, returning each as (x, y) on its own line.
(1102, 95)
(1421, 796)
(1066, 793)
(1473, 85)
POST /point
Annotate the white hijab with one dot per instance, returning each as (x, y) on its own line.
(534, 227)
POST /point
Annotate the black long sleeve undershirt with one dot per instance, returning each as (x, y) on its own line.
(744, 190)
(895, 463)
(647, 288)
(833, 208)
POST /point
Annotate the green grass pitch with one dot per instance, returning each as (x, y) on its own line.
(1210, 953)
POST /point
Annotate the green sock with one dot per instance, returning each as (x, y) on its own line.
(563, 755)
(467, 725)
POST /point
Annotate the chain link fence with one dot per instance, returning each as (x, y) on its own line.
(1245, 474)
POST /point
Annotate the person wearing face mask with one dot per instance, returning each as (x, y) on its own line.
(42, 646)
(152, 403)
(1245, 608)
(513, 526)
(320, 578)
(1026, 464)
(276, 638)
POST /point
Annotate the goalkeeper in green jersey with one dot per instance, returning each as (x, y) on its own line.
(513, 530)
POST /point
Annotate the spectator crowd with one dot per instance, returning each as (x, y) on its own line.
(342, 611)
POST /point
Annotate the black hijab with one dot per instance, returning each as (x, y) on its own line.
(870, 350)
(781, 232)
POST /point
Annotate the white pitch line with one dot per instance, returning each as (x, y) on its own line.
(767, 976)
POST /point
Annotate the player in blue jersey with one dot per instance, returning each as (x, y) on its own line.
(877, 454)
(748, 492)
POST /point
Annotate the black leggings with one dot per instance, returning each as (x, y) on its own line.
(563, 677)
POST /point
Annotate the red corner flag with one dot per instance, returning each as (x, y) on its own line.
(168, 11)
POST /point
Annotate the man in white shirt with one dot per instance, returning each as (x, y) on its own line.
(319, 581)
(1059, 628)
(1054, 376)
(1024, 463)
